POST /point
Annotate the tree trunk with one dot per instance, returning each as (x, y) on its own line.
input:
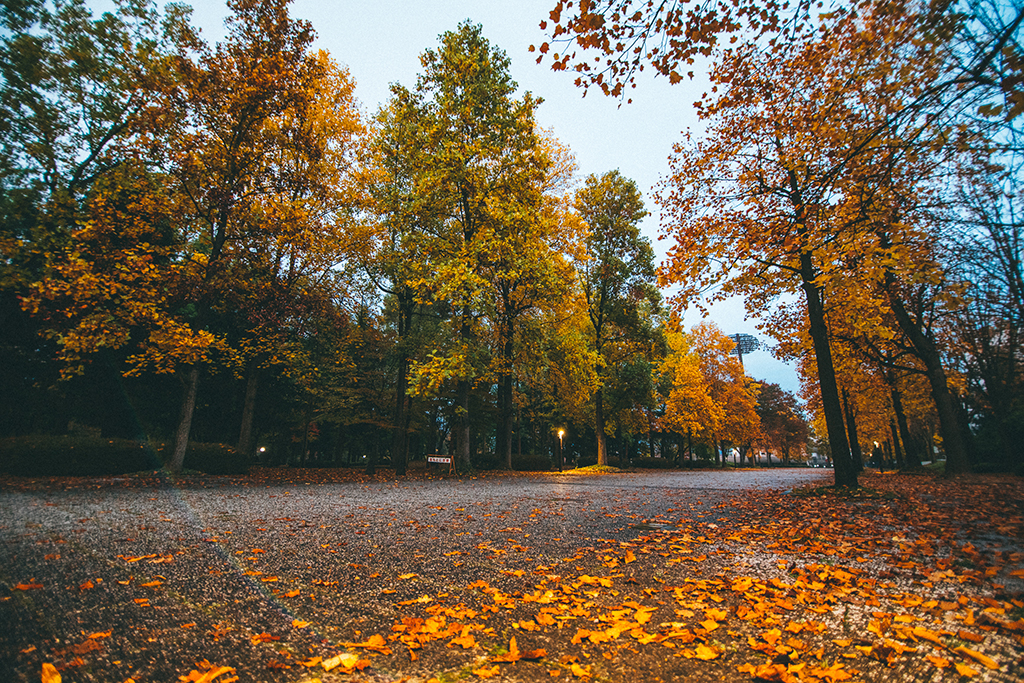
(912, 457)
(845, 474)
(897, 455)
(460, 425)
(400, 434)
(245, 440)
(188, 409)
(506, 417)
(851, 429)
(957, 460)
(519, 432)
(602, 447)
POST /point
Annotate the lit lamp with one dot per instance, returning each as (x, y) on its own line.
(561, 433)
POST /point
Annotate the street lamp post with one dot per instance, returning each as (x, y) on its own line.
(561, 433)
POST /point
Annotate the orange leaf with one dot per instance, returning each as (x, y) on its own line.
(931, 636)
(512, 655)
(50, 673)
(152, 584)
(544, 619)
(965, 670)
(403, 577)
(374, 642)
(939, 662)
(834, 672)
(487, 673)
(311, 662)
(31, 585)
(345, 660)
(706, 653)
(215, 673)
(580, 672)
(985, 661)
(291, 594)
(297, 623)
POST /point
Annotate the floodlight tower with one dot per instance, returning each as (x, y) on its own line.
(745, 343)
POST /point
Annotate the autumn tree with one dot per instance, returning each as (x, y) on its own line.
(466, 194)
(936, 63)
(305, 232)
(728, 387)
(783, 424)
(80, 102)
(230, 100)
(616, 276)
(531, 272)
(689, 409)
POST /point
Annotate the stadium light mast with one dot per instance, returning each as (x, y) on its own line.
(745, 343)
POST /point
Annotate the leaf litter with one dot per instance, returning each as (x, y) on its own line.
(922, 583)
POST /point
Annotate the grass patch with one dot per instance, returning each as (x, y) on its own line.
(596, 469)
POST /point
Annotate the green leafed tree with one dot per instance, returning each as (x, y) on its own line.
(617, 277)
(463, 193)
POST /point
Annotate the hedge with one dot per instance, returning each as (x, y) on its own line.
(45, 455)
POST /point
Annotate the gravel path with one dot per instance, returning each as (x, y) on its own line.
(203, 567)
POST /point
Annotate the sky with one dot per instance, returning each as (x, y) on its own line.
(381, 42)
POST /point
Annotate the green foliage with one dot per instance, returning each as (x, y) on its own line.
(617, 278)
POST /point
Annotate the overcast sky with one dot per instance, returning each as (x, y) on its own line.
(381, 43)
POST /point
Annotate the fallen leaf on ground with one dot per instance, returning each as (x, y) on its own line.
(985, 661)
(50, 673)
(484, 672)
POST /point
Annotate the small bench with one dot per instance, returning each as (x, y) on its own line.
(443, 460)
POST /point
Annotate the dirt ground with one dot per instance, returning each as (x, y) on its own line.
(298, 575)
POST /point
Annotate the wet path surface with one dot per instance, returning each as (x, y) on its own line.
(224, 553)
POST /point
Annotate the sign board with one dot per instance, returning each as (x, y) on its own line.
(443, 460)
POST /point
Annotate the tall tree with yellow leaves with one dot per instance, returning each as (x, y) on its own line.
(616, 275)
(469, 204)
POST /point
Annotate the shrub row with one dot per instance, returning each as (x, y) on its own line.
(43, 455)
(653, 464)
(531, 462)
